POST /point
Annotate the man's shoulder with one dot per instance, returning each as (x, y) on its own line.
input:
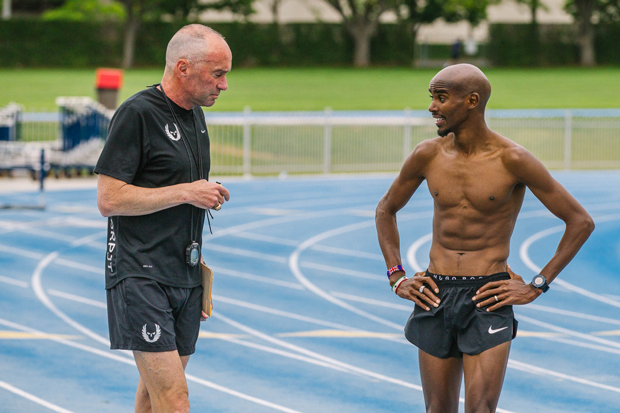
(139, 102)
(427, 149)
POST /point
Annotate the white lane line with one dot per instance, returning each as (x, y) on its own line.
(330, 360)
(258, 278)
(287, 354)
(37, 287)
(529, 368)
(80, 266)
(524, 254)
(77, 298)
(408, 308)
(566, 331)
(281, 313)
(127, 360)
(11, 281)
(21, 252)
(244, 253)
(581, 344)
(573, 314)
(347, 252)
(344, 271)
(293, 264)
(313, 354)
(266, 238)
(411, 252)
(61, 261)
(32, 398)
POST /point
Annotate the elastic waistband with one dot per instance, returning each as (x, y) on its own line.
(467, 280)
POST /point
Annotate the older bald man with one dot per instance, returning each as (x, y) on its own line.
(463, 320)
(153, 185)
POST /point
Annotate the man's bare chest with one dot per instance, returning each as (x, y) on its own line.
(482, 184)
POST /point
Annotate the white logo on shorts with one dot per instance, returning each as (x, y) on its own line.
(491, 331)
(151, 337)
(174, 135)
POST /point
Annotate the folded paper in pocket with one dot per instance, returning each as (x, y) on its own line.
(207, 287)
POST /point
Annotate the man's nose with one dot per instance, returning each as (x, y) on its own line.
(223, 85)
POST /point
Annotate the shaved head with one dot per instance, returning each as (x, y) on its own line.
(464, 79)
(192, 42)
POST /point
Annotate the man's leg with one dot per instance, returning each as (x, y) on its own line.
(441, 382)
(162, 386)
(484, 377)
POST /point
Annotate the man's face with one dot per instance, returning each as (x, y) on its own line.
(208, 76)
(448, 107)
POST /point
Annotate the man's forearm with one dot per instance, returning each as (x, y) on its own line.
(131, 200)
(574, 237)
(389, 240)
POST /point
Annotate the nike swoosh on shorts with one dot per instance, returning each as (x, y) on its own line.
(491, 331)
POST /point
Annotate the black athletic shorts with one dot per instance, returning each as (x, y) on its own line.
(457, 326)
(146, 315)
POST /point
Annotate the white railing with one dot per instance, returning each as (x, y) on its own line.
(267, 143)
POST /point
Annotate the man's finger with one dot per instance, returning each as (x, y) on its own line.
(487, 286)
(432, 284)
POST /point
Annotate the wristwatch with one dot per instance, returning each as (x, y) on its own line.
(540, 282)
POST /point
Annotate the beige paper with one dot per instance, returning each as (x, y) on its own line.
(207, 287)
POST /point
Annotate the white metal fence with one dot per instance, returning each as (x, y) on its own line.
(260, 143)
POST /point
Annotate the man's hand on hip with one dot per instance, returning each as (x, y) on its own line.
(419, 289)
(508, 292)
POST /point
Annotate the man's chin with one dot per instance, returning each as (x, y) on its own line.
(443, 132)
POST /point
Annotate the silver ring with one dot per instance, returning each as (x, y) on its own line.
(496, 299)
(421, 290)
(217, 207)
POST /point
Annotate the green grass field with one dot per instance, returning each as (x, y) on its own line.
(288, 89)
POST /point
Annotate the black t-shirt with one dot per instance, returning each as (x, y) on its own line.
(146, 148)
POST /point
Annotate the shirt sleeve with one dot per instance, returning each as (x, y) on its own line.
(126, 149)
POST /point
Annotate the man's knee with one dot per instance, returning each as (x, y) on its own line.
(441, 405)
(480, 403)
(177, 398)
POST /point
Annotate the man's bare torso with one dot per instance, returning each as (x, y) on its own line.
(477, 200)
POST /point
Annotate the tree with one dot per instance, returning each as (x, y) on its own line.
(418, 12)
(585, 12)
(361, 18)
(534, 35)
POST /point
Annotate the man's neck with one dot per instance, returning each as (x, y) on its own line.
(175, 93)
(472, 138)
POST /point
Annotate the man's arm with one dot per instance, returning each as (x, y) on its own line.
(579, 225)
(115, 197)
(404, 186)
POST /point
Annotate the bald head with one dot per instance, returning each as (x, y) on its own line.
(192, 42)
(464, 79)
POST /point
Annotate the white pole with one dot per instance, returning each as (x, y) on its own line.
(247, 142)
(327, 142)
(568, 131)
(407, 134)
(6, 10)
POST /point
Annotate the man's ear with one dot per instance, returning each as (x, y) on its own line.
(182, 67)
(473, 100)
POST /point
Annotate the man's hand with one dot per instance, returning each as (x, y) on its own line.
(207, 195)
(410, 290)
(204, 316)
(507, 292)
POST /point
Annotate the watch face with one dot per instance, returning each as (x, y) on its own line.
(538, 281)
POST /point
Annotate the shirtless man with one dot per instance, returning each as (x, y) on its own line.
(463, 320)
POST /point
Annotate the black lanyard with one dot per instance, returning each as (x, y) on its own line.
(192, 158)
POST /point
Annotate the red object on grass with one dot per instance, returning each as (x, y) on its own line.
(108, 79)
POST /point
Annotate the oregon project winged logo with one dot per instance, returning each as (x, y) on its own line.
(151, 337)
(174, 135)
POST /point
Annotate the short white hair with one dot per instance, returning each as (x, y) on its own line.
(190, 43)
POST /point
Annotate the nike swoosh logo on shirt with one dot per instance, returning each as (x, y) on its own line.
(203, 131)
(491, 331)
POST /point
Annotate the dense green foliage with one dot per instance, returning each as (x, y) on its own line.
(288, 89)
